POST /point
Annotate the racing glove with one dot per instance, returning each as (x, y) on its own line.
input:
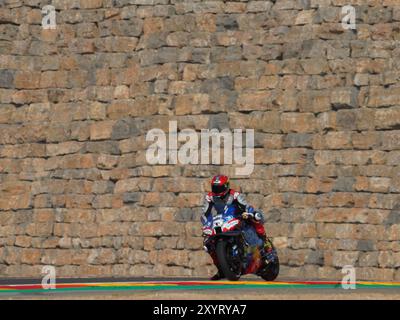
(255, 215)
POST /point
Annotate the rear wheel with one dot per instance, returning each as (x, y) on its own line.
(229, 263)
(271, 271)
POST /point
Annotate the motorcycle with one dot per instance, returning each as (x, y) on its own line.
(237, 247)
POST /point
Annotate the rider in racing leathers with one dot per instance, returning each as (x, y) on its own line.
(220, 196)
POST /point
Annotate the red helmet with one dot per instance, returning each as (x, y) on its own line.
(220, 185)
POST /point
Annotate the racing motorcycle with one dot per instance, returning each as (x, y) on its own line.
(237, 247)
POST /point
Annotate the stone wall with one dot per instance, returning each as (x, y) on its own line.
(76, 103)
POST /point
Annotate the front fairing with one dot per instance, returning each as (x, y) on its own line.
(222, 222)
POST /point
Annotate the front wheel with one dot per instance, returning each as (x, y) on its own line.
(229, 264)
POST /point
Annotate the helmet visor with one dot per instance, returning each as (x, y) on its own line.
(217, 189)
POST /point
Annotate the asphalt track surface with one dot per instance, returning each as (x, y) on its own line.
(194, 289)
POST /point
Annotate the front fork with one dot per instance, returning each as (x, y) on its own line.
(209, 246)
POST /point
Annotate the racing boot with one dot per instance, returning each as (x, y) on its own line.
(268, 252)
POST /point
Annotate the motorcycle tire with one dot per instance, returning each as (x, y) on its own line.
(224, 262)
(271, 270)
